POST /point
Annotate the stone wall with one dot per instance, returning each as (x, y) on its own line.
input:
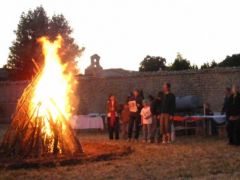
(208, 84)
(93, 91)
(9, 94)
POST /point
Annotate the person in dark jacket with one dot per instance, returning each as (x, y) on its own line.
(112, 117)
(135, 106)
(226, 101)
(168, 110)
(234, 117)
(156, 109)
(225, 108)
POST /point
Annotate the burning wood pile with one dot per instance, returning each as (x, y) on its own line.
(40, 124)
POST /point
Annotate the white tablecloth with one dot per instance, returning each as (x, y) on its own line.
(86, 122)
(217, 118)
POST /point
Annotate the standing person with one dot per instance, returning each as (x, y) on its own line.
(135, 106)
(211, 124)
(146, 119)
(156, 109)
(112, 116)
(234, 117)
(168, 110)
(226, 101)
(225, 108)
(125, 115)
(207, 109)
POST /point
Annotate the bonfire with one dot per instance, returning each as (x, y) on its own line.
(40, 125)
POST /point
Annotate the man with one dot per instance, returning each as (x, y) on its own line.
(156, 109)
(234, 117)
(135, 106)
(226, 101)
(226, 107)
(168, 110)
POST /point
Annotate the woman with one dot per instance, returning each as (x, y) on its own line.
(112, 116)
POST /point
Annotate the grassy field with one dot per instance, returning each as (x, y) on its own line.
(188, 158)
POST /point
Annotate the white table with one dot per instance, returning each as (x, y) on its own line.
(217, 118)
(86, 122)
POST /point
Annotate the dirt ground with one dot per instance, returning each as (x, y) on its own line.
(189, 157)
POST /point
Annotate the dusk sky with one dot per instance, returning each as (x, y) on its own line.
(123, 32)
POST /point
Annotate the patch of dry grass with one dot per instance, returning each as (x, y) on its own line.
(187, 158)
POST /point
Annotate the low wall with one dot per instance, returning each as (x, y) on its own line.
(93, 91)
(9, 94)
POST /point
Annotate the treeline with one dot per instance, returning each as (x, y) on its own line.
(156, 63)
(33, 25)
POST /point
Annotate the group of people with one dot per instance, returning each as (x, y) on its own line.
(154, 116)
(151, 115)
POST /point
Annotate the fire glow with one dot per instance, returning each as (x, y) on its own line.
(40, 123)
(52, 93)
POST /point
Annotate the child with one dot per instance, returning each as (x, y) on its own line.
(125, 115)
(146, 117)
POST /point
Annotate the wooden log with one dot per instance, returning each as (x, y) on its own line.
(73, 137)
(25, 137)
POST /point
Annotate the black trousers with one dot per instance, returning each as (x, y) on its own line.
(214, 127)
(233, 131)
(134, 124)
(113, 130)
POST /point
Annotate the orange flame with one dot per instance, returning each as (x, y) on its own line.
(53, 91)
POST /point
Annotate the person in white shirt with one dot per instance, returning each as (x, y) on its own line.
(135, 106)
(146, 119)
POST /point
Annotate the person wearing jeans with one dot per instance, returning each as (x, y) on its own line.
(135, 106)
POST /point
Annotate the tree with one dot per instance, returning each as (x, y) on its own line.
(152, 63)
(69, 50)
(181, 64)
(213, 64)
(33, 25)
(231, 61)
